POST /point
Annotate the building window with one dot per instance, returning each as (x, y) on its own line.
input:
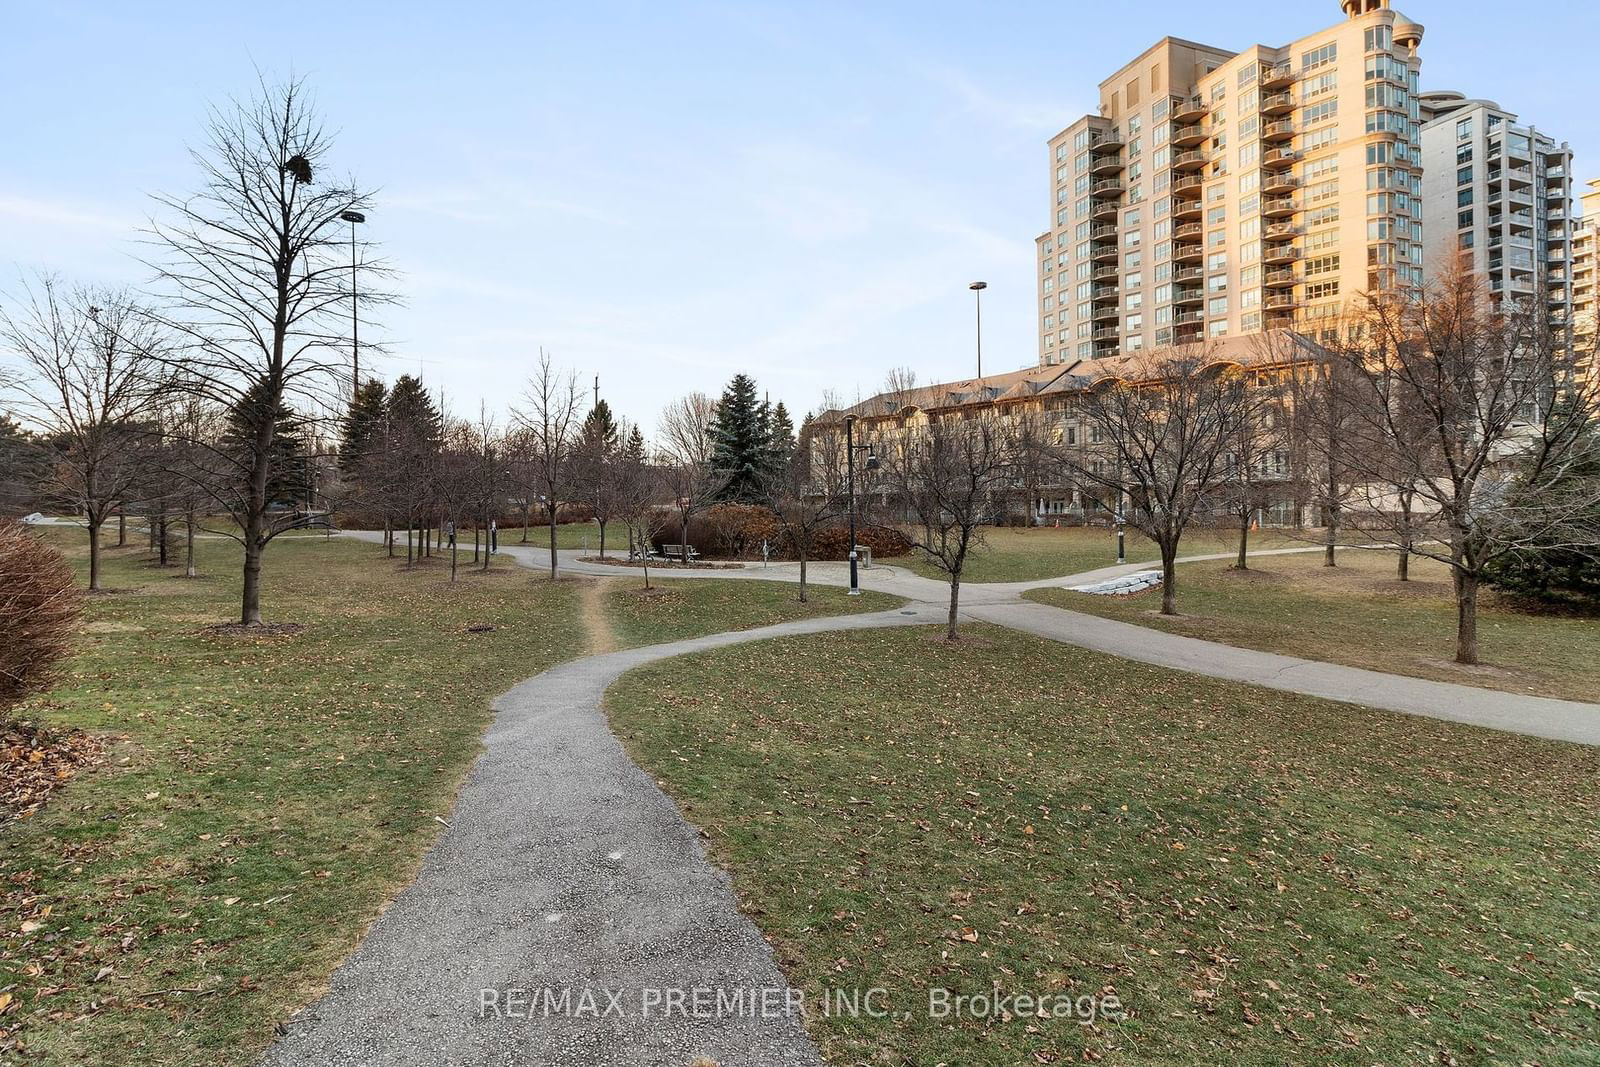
(1463, 175)
(1463, 129)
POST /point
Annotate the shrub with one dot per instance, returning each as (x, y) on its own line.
(834, 542)
(38, 608)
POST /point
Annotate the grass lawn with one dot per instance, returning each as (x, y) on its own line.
(675, 610)
(260, 798)
(1358, 613)
(1259, 878)
(1023, 554)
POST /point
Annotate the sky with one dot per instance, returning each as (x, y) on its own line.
(664, 194)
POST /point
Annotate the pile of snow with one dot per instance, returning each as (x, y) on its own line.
(34, 519)
(1127, 583)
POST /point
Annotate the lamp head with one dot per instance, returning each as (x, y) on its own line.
(978, 286)
(353, 216)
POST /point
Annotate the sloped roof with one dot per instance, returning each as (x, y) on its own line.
(1250, 350)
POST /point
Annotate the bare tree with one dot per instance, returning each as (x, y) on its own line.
(686, 459)
(947, 479)
(807, 494)
(1495, 387)
(551, 421)
(643, 502)
(95, 371)
(257, 268)
(1165, 428)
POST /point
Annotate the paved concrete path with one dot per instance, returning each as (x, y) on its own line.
(565, 868)
(1002, 604)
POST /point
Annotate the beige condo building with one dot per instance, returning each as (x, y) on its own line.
(1222, 193)
(1586, 282)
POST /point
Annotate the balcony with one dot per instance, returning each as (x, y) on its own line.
(1276, 103)
(1519, 177)
(1187, 135)
(1282, 252)
(1193, 159)
(1107, 333)
(1188, 318)
(1107, 163)
(1279, 157)
(1103, 209)
(1188, 274)
(1103, 251)
(1188, 229)
(1280, 302)
(1108, 139)
(1281, 130)
(1103, 312)
(1280, 278)
(1189, 108)
(1103, 292)
(1275, 207)
(1281, 231)
(1107, 187)
(1186, 187)
(1103, 231)
(1278, 181)
(1103, 273)
(1187, 251)
(1277, 77)
(1188, 294)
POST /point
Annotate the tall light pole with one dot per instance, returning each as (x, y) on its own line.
(977, 294)
(353, 217)
(850, 482)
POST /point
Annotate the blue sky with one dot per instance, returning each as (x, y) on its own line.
(664, 194)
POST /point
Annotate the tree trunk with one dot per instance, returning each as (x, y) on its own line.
(388, 534)
(1242, 563)
(527, 521)
(645, 559)
(1403, 567)
(452, 560)
(552, 544)
(683, 537)
(250, 607)
(602, 525)
(475, 533)
(162, 556)
(94, 555)
(1466, 588)
(1327, 552)
(1169, 580)
(188, 548)
(955, 598)
(122, 530)
(802, 577)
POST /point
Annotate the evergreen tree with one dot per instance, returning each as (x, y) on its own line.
(599, 433)
(289, 467)
(413, 414)
(781, 433)
(635, 449)
(741, 443)
(361, 431)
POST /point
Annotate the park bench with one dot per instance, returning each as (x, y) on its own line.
(676, 552)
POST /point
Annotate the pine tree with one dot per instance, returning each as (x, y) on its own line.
(599, 432)
(781, 434)
(635, 450)
(741, 445)
(289, 469)
(361, 430)
(413, 414)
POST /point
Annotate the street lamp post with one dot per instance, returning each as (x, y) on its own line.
(977, 294)
(850, 489)
(353, 217)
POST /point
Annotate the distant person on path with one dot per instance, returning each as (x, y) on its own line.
(450, 531)
(494, 537)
